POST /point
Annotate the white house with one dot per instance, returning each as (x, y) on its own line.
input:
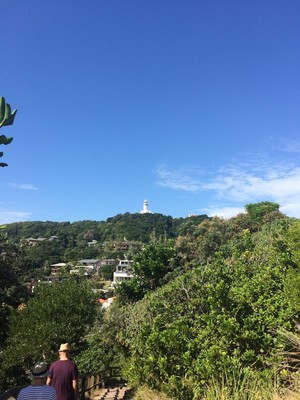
(89, 266)
(122, 272)
(55, 268)
(92, 243)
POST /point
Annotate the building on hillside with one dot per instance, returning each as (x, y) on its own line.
(108, 262)
(50, 279)
(92, 243)
(123, 272)
(55, 268)
(124, 264)
(145, 208)
(123, 245)
(51, 238)
(86, 267)
(34, 241)
(89, 262)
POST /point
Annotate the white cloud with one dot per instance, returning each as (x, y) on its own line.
(23, 186)
(223, 212)
(239, 184)
(290, 146)
(177, 180)
(7, 217)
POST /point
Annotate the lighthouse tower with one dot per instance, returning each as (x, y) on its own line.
(145, 208)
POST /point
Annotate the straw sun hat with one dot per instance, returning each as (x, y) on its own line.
(64, 347)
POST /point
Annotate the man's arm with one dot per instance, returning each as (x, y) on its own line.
(74, 384)
(49, 381)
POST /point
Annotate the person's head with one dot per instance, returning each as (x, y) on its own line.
(39, 373)
(64, 350)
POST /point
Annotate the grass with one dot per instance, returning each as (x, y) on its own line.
(143, 393)
(244, 389)
(246, 386)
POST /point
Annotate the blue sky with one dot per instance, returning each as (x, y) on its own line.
(193, 105)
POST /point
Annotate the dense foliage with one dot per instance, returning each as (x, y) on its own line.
(207, 301)
(216, 318)
(58, 313)
(132, 227)
(12, 292)
(68, 242)
(150, 268)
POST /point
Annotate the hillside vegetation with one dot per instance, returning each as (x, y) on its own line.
(210, 312)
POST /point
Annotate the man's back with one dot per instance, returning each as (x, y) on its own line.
(32, 392)
(62, 374)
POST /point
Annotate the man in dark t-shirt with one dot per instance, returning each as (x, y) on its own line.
(63, 375)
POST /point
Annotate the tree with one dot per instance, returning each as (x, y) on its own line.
(292, 283)
(150, 267)
(201, 242)
(12, 292)
(6, 118)
(258, 211)
(103, 351)
(58, 313)
(153, 262)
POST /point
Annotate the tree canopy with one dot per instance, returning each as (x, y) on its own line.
(57, 313)
(258, 210)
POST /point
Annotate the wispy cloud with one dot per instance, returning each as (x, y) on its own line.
(23, 186)
(7, 217)
(177, 179)
(238, 184)
(290, 146)
(224, 212)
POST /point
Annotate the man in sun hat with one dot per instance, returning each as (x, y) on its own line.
(63, 375)
(38, 390)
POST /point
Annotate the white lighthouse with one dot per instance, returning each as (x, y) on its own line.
(145, 208)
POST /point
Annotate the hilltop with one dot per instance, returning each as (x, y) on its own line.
(132, 227)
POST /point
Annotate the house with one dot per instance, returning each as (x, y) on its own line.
(34, 241)
(51, 238)
(86, 266)
(108, 262)
(122, 272)
(124, 264)
(55, 268)
(90, 263)
(92, 243)
(124, 245)
(82, 270)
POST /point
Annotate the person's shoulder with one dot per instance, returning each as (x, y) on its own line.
(71, 362)
(50, 389)
(23, 393)
(25, 389)
(54, 363)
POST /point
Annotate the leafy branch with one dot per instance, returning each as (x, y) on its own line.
(7, 118)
